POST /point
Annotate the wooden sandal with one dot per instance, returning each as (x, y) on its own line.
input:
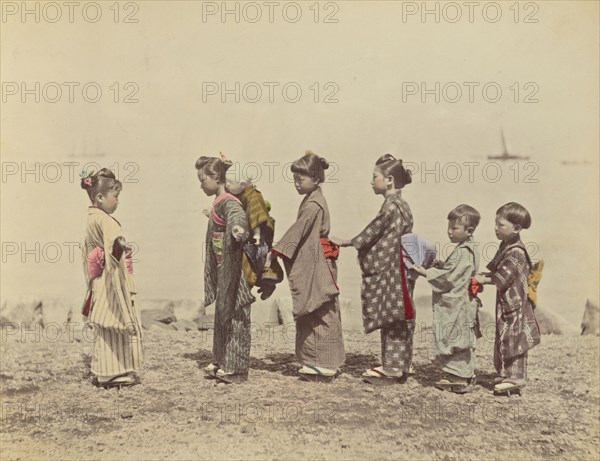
(118, 381)
(509, 387)
(377, 377)
(231, 378)
(318, 376)
(458, 387)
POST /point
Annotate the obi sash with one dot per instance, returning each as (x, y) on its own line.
(330, 249)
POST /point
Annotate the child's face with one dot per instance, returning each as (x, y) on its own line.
(458, 232)
(233, 186)
(379, 183)
(506, 230)
(209, 185)
(108, 202)
(304, 184)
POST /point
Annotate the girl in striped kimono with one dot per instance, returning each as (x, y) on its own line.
(224, 282)
(110, 302)
(386, 291)
(309, 258)
(517, 330)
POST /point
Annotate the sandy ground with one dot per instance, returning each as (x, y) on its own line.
(51, 410)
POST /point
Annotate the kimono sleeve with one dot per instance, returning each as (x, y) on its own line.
(374, 230)
(299, 231)
(118, 284)
(508, 269)
(456, 268)
(235, 215)
(111, 231)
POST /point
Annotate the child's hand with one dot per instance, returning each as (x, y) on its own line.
(437, 263)
(419, 270)
(130, 330)
(206, 212)
(340, 242)
(238, 233)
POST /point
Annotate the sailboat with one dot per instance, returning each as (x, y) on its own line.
(505, 155)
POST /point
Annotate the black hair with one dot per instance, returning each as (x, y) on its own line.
(465, 215)
(311, 165)
(516, 214)
(214, 167)
(101, 182)
(390, 166)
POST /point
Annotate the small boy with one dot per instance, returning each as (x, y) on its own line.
(517, 330)
(455, 307)
(258, 270)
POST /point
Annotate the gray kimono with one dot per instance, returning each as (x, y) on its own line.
(455, 312)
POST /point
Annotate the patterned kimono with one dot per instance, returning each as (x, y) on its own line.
(113, 310)
(225, 284)
(517, 330)
(455, 311)
(312, 277)
(385, 291)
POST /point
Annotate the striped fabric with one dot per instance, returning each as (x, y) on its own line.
(313, 284)
(225, 285)
(113, 309)
(516, 327)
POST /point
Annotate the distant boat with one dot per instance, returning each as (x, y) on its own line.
(505, 155)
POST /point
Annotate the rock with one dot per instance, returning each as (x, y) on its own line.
(188, 309)
(205, 322)
(165, 315)
(547, 322)
(590, 324)
(159, 325)
(61, 310)
(25, 311)
(185, 325)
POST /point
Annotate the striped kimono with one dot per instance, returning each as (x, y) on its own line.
(386, 291)
(224, 284)
(312, 278)
(517, 330)
(114, 314)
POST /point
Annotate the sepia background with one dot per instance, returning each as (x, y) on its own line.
(363, 66)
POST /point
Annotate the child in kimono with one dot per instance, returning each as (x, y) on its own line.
(109, 307)
(386, 291)
(262, 229)
(517, 330)
(224, 281)
(455, 309)
(310, 262)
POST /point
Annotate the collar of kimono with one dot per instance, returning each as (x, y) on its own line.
(223, 196)
(95, 210)
(504, 247)
(315, 196)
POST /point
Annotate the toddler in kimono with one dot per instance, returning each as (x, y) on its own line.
(517, 330)
(262, 229)
(455, 305)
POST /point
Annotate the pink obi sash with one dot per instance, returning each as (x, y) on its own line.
(215, 217)
(95, 262)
